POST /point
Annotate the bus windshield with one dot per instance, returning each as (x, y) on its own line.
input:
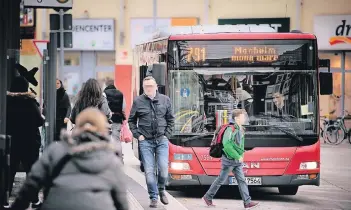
(275, 82)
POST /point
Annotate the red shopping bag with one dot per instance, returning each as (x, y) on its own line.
(126, 134)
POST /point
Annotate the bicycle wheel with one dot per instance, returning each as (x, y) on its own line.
(349, 136)
(335, 135)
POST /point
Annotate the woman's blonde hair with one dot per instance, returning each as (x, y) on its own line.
(92, 119)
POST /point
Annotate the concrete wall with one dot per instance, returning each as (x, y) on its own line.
(195, 8)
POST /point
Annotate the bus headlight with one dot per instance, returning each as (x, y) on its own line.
(308, 165)
(180, 166)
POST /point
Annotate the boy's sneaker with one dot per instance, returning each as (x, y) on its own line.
(142, 167)
(251, 205)
(153, 204)
(208, 202)
(6, 205)
(36, 205)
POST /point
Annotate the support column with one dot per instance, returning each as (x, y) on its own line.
(206, 12)
(343, 55)
(13, 36)
(154, 14)
(3, 70)
(298, 14)
(121, 22)
(9, 39)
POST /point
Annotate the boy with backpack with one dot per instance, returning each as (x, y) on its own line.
(231, 150)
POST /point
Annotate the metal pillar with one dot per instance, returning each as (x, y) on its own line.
(121, 21)
(9, 39)
(343, 55)
(206, 13)
(154, 14)
(62, 58)
(43, 24)
(13, 36)
(3, 69)
(298, 14)
(50, 89)
(3, 88)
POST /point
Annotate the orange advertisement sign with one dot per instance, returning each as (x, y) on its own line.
(339, 40)
(28, 47)
(184, 21)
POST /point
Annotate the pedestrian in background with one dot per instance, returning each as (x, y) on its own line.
(63, 109)
(90, 95)
(151, 121)
(79, 172)
(232, 160)
(116, 103)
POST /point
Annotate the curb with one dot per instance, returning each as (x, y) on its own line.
(138, 177)
(133, 203)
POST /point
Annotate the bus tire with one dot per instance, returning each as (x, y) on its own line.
(291, 190)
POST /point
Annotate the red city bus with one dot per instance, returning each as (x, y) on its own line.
(209, 71)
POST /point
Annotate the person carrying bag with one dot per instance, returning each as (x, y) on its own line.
(79, 172)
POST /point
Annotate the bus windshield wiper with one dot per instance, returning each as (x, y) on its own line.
(282, 117)
(286, 131)
(196, 137)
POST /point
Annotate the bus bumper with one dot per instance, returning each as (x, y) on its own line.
(267, 181)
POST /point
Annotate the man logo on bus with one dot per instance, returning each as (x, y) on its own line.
(62, 1)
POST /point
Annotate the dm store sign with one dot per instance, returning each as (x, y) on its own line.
(333, 32)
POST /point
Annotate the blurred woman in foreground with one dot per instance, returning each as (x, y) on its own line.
(79, 172)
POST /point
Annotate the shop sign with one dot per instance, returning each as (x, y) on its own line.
(93, 34)
(278, 24)
(60, 4)
(333, 32)
(142, 29)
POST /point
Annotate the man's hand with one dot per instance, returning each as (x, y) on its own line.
(66, 120)
(141, 138)
(241, 159)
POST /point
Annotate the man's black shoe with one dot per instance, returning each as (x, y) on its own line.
(164, 198)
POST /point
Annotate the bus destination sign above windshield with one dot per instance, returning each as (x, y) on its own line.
(282, 54)
(239, 54)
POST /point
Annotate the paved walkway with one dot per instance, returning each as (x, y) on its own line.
(138, 198)
(335, 172)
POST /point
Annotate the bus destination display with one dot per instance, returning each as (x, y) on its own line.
(283, 54)
(238, 54)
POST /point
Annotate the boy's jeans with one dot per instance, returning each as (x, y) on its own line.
(237, 168)
(155, 151)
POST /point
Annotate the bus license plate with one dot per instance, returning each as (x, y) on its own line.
(249, 181)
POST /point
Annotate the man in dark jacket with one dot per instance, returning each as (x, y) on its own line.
(22, 124)
(116, 103)
(91, 178)
(152, 112)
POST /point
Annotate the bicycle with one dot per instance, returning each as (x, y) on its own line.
(338, 128)
(323, 129)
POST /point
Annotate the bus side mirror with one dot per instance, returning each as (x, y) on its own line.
(326, 83)
(325, 78)
(159, 73)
